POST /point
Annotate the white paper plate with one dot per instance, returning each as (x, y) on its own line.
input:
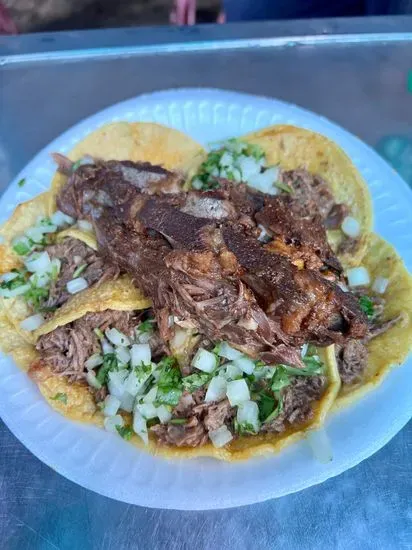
(105, 463)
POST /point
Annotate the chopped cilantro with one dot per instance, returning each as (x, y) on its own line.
(14, 283)
(142, 370)
(78, 271)
(125, 431)
(146, 326)
(266, 404)
(62, 397)
(35, 296)
(244, 429)
(367, 306)
(276, 412)
(178, 421)
(283, 187)
(23, 247)
(76, 165)
(109, 363)
(195, 381)
(280, 379)
(169, 384)
(21, 182)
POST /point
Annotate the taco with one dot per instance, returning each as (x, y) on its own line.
(243, 362)
(46, 256)
(384, 288)
(308, 166)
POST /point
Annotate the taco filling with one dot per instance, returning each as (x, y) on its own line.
(306, 194)
(245, 290)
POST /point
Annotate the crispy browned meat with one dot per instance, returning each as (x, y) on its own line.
(304, 238)
(306, 306)
(211, 273)
(352, 359)
(93, 187)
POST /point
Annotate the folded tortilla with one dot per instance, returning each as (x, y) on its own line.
(293, 148)
(391, 348)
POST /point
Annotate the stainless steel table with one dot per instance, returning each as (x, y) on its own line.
(356, 72)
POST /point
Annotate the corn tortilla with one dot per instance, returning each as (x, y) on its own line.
(292, 148)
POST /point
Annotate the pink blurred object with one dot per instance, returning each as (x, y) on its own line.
(7, 25)
(184, 13)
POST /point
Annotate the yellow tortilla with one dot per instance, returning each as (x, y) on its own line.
(17, 308)
(121, 295)
(391, 348)
(24, 216)
(292, 148)
(136, 141)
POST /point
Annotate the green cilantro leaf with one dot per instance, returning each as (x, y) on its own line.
(266, 404)
(62, 397)
(244, 429)
(178, 421)
(169, 384)
(283, 187)
(109, 363)
(79, 270)
(22, 247)
(146, 326)
(195, 381)
(276, 412)
(280, 379)
(367, 306)
(21, 182)
(125, 431)
(35, 296)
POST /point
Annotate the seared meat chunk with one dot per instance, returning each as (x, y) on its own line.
(352, 359)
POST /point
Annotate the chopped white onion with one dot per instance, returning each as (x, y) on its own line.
(304, 350)
(233, 372)
(111, 405)
(143, 337)
(33, 322)
(7, 277)
(92, 380)
(358, 276)
(111, 423)
(163, 414)
(245, 364)
(248, 166)
(39, 262)
(45, 225)
(248, 323)
(343, 287)
(226, 160)
(116, 337)
(140, 353)
(123, 354)
(12, 293)
(248, 413)
(106, 347)
(380, 285)
(150, 397)
(320, 445)
(140, 426)
(116, 383)
(77, 285)
(84, 225)
(147, 410)
(94, 361)
(40, 280)
(228, 352)
(237, 392)
(60, 219)
(350, 227)
(204, 360)
(220, 437)
(35, 234)
(134, 383)
(216, 390)
(127, 401)
(265, 181)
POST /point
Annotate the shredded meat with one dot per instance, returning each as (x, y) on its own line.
(352, 360)
(297, 399)
(66, 348)
(200, 419)
(72, 254)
